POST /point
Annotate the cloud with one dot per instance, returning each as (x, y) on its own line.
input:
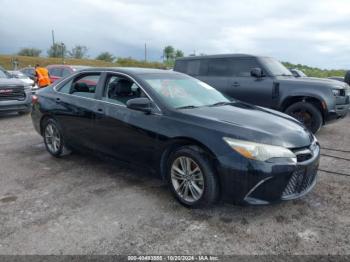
(310, 32)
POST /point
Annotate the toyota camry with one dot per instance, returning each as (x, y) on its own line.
(206, 146)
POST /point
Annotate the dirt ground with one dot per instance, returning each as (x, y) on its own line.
(83, 205)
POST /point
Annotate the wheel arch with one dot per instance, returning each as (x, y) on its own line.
(316, 101)
(42, 121)
(176, 143)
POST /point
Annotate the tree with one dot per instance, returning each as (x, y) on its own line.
(179, 54)
(29, 52)
(78, 52)
(169, 52)
(105, 56)
(57, 50)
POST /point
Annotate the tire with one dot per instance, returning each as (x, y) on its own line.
(200, 192)
(308, 114)
(53, 139)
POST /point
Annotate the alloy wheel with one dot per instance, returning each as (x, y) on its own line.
(187, 179)
(52, 138)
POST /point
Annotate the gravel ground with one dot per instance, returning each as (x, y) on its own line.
(83, 205)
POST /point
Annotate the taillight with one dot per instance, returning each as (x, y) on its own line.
(35, 99)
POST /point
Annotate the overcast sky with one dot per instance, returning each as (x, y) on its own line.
(313, 32)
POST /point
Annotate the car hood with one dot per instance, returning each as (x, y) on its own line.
(10, 82)
(313, 81)
(247, 122)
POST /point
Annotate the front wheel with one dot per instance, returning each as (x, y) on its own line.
(308, 114)
(192, 178)
(53, 139)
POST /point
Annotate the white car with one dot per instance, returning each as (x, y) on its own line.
(24, 78)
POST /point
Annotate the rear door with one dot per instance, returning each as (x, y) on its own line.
(75, 108)
(242, 86)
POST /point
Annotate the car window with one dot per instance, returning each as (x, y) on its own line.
(119, 90)
(55, 71)
(83, 85)
(242, 67)
(218, 67)
(66, 72)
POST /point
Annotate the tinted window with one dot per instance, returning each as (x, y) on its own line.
(242, 67)
(119, 90)
(66, 72)
(193, 67)
(181, 66)
(218, 67)
(55, 71)
(83, 85)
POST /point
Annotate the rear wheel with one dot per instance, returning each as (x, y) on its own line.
(192, 178)
(308, 114)
(53, 139)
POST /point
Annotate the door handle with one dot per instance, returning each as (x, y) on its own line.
(58, 100)
(235, 84)
(100, 110)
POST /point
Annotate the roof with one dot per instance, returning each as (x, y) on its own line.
(130, 70)
(215, 56)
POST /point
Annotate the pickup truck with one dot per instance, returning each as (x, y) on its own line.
(265, 82)
(15, 95)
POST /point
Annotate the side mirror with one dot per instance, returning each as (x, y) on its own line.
(256, 72)
(140, 104)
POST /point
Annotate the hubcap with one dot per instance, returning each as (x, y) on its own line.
(187, 179)
(52, 138)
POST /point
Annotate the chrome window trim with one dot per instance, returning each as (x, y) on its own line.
(61, 84)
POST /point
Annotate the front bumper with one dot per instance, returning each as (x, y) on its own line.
(17, 105)
(258, 183)
(340, 110)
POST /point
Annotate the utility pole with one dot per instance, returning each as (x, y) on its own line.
(63, 47)
(53, 37)
(145, 52)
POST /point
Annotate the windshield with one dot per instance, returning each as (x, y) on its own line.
(275, 67)
(3, 74)
(181, 92)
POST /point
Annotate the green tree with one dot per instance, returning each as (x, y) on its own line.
(169, 52)
(57, 50)
(29, 52)
(78, 52)
(105, 56)
(179, 54)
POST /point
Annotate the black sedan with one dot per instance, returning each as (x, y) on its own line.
(204, 145)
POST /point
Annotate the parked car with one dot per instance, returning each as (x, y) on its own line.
(297, 73)
(24, 78)
(203, 144)
(266, 82)
(58, 71)
(29, 71)
(15, 95)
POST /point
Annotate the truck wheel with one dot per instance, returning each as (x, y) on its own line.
(306, 113)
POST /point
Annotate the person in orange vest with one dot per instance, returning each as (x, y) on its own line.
(42, 76)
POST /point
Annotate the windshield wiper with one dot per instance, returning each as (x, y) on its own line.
(187, 107)
(221, 104)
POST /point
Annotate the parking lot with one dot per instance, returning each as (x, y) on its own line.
(83, 205)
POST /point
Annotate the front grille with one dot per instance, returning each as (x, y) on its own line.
(12, 94)
(300, 181)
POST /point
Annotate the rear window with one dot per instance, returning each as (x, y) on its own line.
(55, 71)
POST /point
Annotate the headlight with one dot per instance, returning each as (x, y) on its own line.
(261, 152)
(336, 92)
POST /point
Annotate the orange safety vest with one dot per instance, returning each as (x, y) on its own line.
(43, 76)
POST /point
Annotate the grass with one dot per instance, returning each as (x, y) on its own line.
(24, 61)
